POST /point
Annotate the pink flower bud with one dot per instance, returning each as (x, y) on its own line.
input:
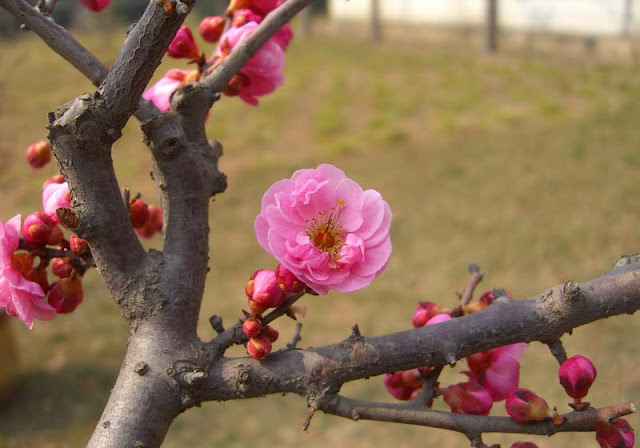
(61, 267)
(39, 154)
(252, 327)
(259, 347)
(66, 294)
(183, 45)
(437, 319)
(403, 385)
(211, 28)
(288, 282)
(138, 213)
(467, 398)
(95, 5)
(576, 376)
(524, 406)
(617, 435)
(263, 288)
(425, 311)
(38, 229)
(271, 333)
(78, 246)
(520, 444)
(55, 179)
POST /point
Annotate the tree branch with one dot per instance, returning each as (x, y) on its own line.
(470, 425)
(543, 318)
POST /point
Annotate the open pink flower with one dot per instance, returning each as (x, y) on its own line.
(55, 196)
(19, 297)
(327, 231)
(95, 5)
(497, 370)
(160, 92)
(262, 74)
(282, 37)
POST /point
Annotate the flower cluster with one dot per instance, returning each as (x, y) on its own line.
(268, 289)
(260, 76)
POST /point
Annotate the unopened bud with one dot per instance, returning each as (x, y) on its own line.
(39, 154)
(252, 327)
(79, 246)
(138, 213)
(468, 398)
(55, 179)
(263, 289)
(66, 294)
(38, 229)
(271, 333)
(524, 406)
(259, 347)
(61, 267)
(520, 444)
(183, 45)
(576, 375)
(95, 5)
(616, 435)
(211, 28)
(425, 311)
(153, 224)
(288, 282)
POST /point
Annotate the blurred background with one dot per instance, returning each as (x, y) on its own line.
(500, 132)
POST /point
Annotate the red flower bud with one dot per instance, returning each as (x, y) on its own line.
(403, 385)
(138, 213)
(79, 246)
(468, 398)
(61, 267)
(66, 294)
(271, 333)
(38, 229)
(263, 288)
(95, 5)
(38, 275)
(524, 406)
(520, 444)
(55, 179)
(153, 224)
(252, 327)
(39, 154)
(253, 306)
(425, 311)
(211, 28)
(576, 375)
(259, 347)
(617, 435)
(183, 45)
(288, 282)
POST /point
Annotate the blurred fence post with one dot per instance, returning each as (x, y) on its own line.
(491, 27)
(376, 25)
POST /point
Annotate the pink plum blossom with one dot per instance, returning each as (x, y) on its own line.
(282, 37)
(327, 231)
(262, 74)
(616, 435)
(160, 92)
(19, 297)
(55, 196)
(95, 5)
(498, 369)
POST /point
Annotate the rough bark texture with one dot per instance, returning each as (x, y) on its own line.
(167, 369)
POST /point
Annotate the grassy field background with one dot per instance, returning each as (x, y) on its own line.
(527, 166)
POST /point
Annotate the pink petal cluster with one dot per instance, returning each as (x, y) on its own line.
(19, 297)
(55, 196)
(160, 92)
(497, 370)
(325, 229)
(262, 74)
(95, 5)
(403, 385)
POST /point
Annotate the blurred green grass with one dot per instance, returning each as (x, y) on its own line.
(528, 167)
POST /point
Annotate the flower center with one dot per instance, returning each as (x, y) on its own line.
(326, 233)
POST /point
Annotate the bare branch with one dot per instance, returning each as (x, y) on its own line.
(557, 350)
(470, 425)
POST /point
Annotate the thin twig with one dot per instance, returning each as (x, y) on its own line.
(296, 337)
(80, 264)
(557, 350)
(474, 280)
